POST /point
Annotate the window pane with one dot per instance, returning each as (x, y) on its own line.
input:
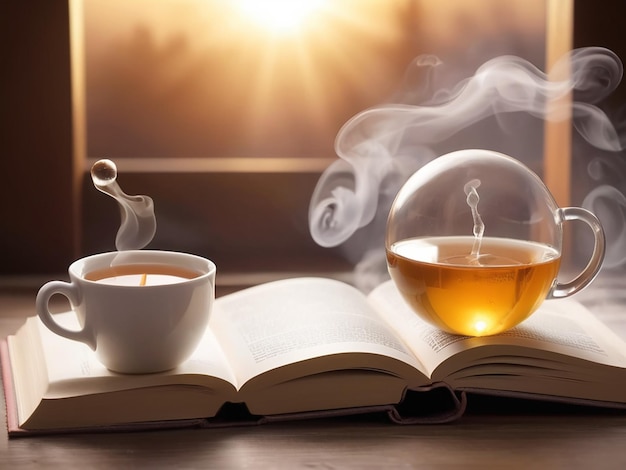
(202, 78)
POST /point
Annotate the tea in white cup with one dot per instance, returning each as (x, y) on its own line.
(141, 275)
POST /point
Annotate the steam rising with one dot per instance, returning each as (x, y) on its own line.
(138, 224)
(609, 205)
(380, 147)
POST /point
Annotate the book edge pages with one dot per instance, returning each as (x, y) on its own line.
(12, 423)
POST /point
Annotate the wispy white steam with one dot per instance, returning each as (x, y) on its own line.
(387, 143)
(380, 147)
(138, 222)
(609, 204)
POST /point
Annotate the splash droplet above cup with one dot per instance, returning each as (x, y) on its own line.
(138, 222)
(103, 172)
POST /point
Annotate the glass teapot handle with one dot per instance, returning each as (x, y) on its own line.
(597, 257)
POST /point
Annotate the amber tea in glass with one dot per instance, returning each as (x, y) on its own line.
(478, 295)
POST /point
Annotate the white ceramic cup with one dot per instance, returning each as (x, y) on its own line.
(136, 328)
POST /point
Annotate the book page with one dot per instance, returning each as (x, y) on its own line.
(280, 323)
(559, 327)
(73, 368)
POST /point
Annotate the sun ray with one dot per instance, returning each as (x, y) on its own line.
(280, 16)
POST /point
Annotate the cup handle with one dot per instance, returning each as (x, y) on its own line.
(595, 263)
(69, 291)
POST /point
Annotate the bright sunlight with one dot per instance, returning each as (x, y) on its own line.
(280, 16)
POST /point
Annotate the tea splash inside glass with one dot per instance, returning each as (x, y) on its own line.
(474, 241)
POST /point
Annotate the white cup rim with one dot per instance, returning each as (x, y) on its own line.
(89, 263)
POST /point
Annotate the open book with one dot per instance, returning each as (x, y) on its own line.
(310, 347)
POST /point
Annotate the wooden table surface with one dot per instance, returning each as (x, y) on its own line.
(494, 434)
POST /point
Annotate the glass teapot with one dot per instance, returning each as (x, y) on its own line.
(474, 241)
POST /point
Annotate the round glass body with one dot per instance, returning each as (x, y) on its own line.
(474, 241)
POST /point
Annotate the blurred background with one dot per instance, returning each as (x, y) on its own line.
(226, 112)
